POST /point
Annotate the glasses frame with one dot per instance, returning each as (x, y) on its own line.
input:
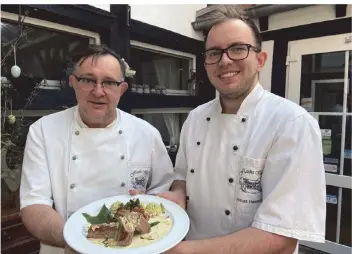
(225, 50)
(96, 82)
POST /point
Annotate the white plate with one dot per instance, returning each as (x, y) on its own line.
(75, 230)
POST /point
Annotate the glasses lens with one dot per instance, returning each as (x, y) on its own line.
(212, 56)
(86, 84)
(238, 52)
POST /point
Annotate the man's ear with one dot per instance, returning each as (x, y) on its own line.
(262, 56)
(123, 87)
(71, 80)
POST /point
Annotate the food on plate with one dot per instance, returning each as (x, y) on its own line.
(132, 224)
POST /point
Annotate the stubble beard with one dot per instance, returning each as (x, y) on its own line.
(242, 91)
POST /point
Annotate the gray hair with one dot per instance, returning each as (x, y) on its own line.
(95, 51)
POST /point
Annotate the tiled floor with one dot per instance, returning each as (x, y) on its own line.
(306, 250)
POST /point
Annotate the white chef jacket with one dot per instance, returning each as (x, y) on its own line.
(262, 167)
(69, 165)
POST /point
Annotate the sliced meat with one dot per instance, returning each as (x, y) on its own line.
(139, 222)
(122, 212)
(100, 231)
(142, 211)
(125, 232)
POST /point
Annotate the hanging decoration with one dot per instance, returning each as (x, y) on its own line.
(15, 70)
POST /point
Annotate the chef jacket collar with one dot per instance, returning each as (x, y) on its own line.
(81, 124)
(248, 104)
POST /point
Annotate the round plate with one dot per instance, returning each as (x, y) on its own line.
(75, 230)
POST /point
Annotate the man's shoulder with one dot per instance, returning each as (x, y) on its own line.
(56, 119)
(206, 108)
(284, 110)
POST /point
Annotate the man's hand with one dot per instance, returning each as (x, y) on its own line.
(180, 248)
(68, 250)
(174, 196)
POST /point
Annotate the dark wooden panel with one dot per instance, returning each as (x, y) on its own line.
(26, 246)
(14, 233)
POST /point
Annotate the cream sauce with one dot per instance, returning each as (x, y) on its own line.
(156, 233)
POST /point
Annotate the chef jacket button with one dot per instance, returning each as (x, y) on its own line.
(235, 148)
(123, 184)
(120, 131)
(192, 171)
(208, 119)
(187, 197)
(74, 157)
(72, 186)
(231, 180)
(77, 133)
(198, 143)
(243, 120)
(122, 157)
(227, 212)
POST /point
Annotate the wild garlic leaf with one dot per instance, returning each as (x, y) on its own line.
(104, 216)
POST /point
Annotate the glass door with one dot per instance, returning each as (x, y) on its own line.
(319, 79)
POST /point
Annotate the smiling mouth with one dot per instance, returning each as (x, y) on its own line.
(229, 75)
(97, 103)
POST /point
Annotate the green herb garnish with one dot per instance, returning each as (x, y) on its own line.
(154, 223)
(104, 216)
(130, 205)
(162, 208)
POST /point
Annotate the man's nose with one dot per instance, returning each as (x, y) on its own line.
(225, 60)
(98, 90)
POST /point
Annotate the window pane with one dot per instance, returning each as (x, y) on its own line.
(42, 53)
(345, 228)
(42, 57)
(331, 128)
(168, 124)
(331, 212)
(322, 82)
(159, 71)
(348, 147)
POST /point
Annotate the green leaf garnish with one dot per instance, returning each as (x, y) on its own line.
(154, 223)
(162, 208)
(104, 216)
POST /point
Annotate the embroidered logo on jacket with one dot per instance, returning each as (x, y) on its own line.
(139, 178)
(252, 186)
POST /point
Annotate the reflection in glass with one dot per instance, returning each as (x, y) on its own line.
(331, 127)
(160, 70)
(331, 212)
(345, 228)
(168, 124)
(322, 82)
(348, 147)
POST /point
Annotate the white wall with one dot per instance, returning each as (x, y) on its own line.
(302, 16)
(174, 17)
(265, 74)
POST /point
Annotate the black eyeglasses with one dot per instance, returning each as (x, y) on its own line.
(88, 84)
(235, 52)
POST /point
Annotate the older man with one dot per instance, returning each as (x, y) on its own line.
(250, 162)
(88, 152)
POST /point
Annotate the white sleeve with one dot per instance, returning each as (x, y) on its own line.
(293, 183)
(35, 180)
(181, 157)
(162, 174)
